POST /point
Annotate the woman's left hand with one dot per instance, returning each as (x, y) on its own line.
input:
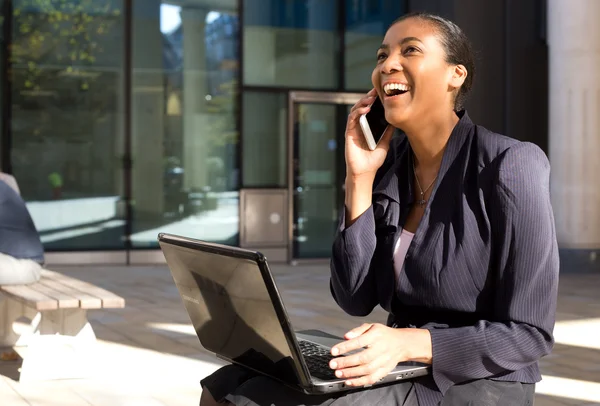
(384, 347)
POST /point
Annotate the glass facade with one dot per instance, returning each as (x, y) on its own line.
(319, 129)
(264, 125)
(126, 118)
(66, 111)
(184, 131)
(291, 43)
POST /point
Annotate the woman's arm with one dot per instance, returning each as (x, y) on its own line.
(352, 285)
(526, 266)
(352, 277)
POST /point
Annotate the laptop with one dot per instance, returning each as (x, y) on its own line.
(235, 307)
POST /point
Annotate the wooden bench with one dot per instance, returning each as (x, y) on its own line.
(59, 342)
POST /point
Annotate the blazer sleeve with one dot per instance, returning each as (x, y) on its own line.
(525, 270)
(353, 284)
(352, 281)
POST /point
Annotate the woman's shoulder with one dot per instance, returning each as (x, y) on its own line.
(499, 150)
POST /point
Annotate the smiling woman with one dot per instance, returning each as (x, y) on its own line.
(466, 267)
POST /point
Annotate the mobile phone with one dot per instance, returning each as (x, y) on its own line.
(373, 124)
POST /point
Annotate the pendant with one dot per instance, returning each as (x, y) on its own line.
(422, 202)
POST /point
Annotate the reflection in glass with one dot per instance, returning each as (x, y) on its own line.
(317, 181)
(366, 24)
(265, 139)
(184, 128)
(291, 43)
(66, 125)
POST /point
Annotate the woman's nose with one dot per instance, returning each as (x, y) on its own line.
(391, 65)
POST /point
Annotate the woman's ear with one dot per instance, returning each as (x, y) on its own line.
(458, 75)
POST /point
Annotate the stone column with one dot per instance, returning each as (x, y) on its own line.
(574, 129)
(147, 109)
(196, 120)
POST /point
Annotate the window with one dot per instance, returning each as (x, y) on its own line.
(184, 127)
(291, 43)
(67, 115)
(265, 140)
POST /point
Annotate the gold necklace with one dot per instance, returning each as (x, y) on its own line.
(422, 202)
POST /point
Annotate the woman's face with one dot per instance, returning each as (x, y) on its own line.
(412, 77)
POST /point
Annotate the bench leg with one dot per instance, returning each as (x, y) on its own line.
(61, 345)
(10, 311)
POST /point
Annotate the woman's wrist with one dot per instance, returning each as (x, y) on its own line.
(421, 348)
(359, 192)
(426, 355)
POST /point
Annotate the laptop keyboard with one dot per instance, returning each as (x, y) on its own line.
(317, 358)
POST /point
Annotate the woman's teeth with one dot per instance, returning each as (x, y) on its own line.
(393, 89)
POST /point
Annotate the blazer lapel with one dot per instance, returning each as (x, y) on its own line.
(457, 140)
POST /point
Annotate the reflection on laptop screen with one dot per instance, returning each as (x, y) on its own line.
(231, 310)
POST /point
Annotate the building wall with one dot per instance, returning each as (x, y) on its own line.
(205, 86)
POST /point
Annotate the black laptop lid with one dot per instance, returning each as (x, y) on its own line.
(226, 297)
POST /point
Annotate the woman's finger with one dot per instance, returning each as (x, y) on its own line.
(363, 369)
(359, 341)
(365, 101)
(360, 330)
(358, 112)
(370, 379)
(355, 116)
(361, 358)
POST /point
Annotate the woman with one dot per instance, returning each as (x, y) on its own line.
(448, 227)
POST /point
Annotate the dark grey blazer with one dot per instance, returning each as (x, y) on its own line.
(482, 270)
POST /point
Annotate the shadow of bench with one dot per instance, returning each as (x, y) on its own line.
(60, 341)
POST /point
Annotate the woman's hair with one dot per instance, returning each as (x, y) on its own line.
(457, 46)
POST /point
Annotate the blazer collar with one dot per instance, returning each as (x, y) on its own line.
(401, 170)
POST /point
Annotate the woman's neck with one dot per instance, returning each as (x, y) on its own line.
(428, 141)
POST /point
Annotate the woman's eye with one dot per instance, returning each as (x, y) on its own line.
(409, 50)
(381, 57)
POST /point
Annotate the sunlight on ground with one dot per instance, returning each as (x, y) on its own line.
(120, 374)
(187, 329)
(569, 388)
(578, 333)
(144, 366)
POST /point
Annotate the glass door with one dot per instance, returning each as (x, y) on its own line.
(317, 170)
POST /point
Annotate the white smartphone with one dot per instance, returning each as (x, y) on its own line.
(373, 124)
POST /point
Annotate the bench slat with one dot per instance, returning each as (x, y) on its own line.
(84, 300)
(65, 300)
(109, 300)
(29, 296)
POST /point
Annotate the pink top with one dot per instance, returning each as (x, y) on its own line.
(400, 251)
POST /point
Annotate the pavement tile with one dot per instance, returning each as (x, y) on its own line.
(150, 356)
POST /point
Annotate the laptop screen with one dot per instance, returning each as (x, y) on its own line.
(231, 310)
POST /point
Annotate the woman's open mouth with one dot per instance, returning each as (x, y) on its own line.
(395, 89)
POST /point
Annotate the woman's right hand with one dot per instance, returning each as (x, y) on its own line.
(360, 160)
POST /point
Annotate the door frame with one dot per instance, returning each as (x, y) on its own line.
(296, 97)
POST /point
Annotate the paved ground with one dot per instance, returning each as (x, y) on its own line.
(148, 355)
